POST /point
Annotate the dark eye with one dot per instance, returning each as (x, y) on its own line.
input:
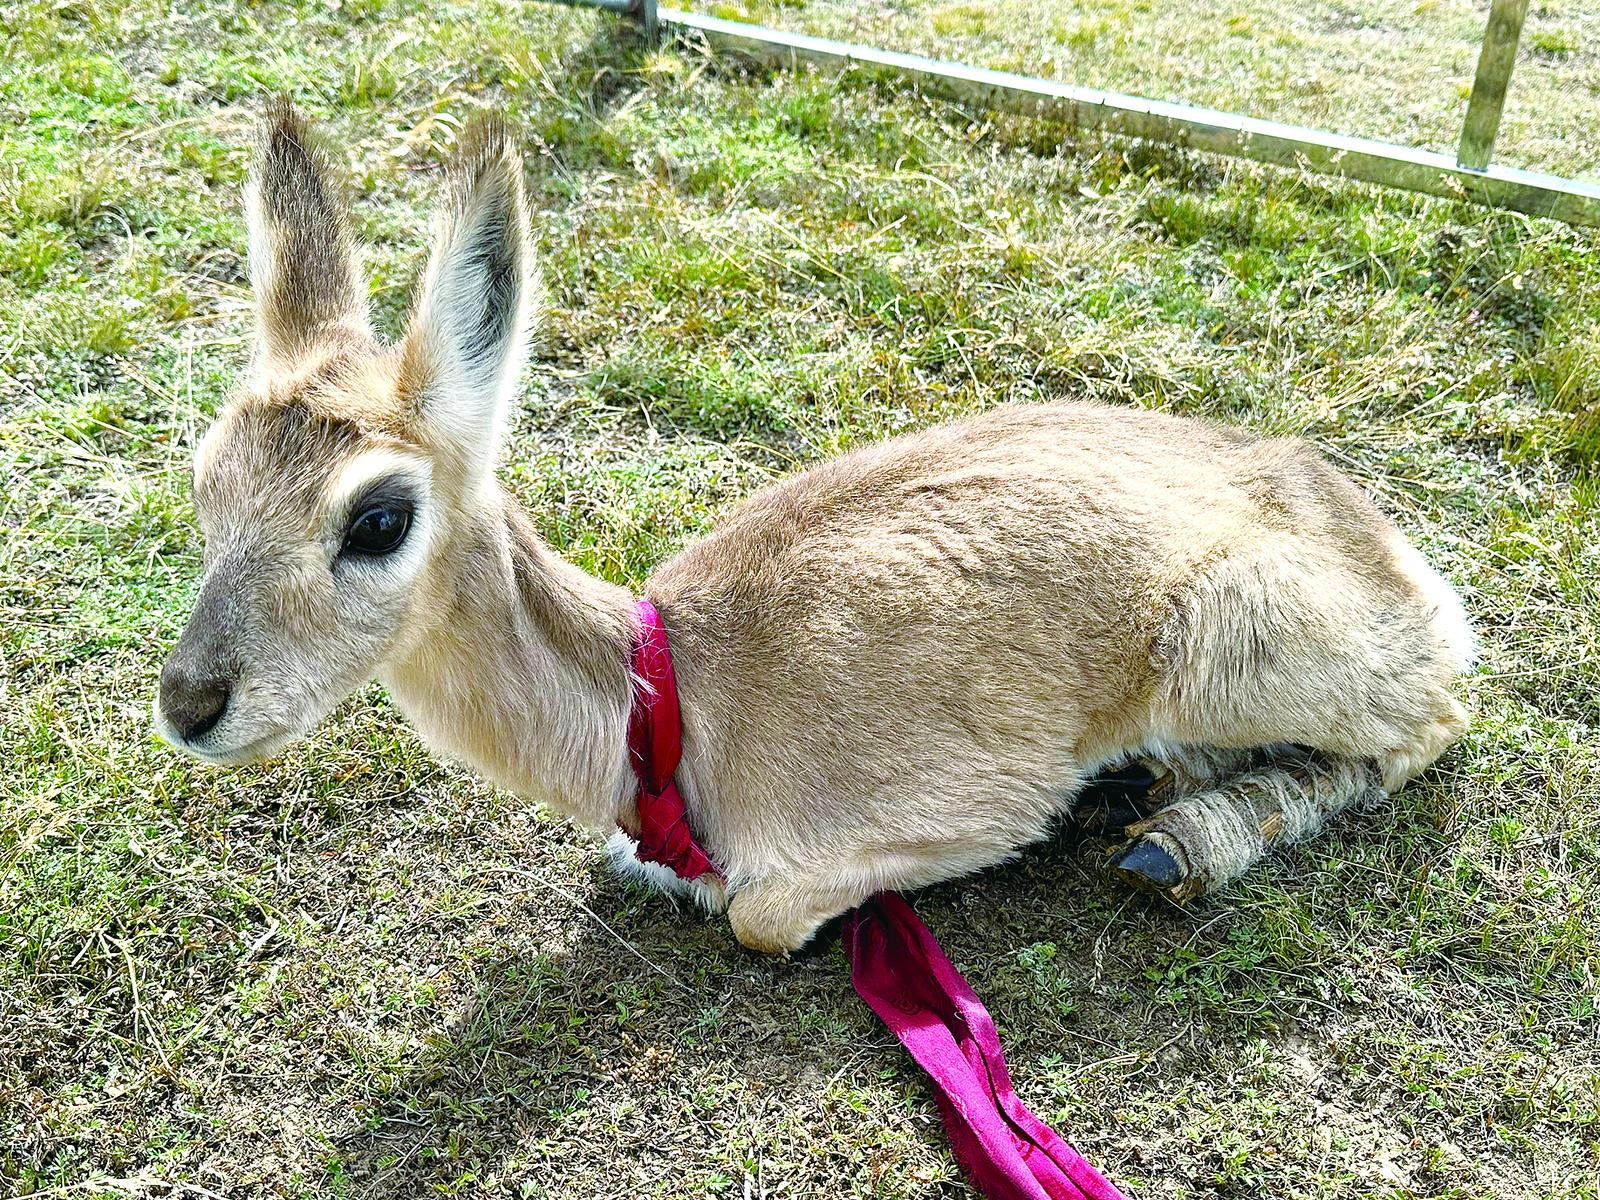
(378, 528)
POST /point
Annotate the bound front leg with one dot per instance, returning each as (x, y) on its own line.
(779, 915)
(1207, 838)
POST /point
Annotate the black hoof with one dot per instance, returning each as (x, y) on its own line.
(1113, 800)
(1145, 864)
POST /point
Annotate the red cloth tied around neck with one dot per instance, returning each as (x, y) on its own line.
(1010, 1154)
(895, 964)
(655, 744)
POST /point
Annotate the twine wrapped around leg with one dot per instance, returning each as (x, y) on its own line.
(1205, 838)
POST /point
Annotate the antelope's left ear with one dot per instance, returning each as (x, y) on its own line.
(468, 336)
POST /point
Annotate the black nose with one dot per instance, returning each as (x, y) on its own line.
(193, 704)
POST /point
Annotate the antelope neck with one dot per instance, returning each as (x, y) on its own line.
(524, 672)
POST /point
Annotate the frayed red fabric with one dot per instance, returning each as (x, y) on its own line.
(655, 744)
(903, 975)
(895, 964)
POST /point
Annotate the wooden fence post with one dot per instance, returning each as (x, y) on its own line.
(1495, 60)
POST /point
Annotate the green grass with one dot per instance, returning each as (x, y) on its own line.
(345, 974)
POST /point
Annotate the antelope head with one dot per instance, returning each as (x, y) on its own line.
(343, 488)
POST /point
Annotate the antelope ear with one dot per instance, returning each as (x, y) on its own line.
(468, 336)
(303, 263)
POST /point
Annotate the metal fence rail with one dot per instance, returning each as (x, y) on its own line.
(1469, 176)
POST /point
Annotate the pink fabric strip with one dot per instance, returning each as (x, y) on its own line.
(899, 970)
(655, 744)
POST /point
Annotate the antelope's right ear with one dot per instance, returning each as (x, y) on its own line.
(468, 335)
(303, 263)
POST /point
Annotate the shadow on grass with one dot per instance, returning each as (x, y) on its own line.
(566, 1067)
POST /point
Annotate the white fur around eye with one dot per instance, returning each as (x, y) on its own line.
(345, 488)
(367, 468)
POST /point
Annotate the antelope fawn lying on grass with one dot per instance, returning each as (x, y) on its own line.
(896, 668)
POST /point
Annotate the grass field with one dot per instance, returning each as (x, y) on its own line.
(358, 972)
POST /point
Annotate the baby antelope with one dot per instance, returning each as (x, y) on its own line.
(896, 668)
